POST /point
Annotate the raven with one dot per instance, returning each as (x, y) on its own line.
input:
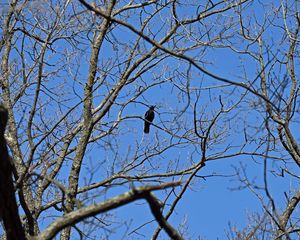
(149, 116)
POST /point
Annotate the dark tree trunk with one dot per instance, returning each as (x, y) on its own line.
(8, 205)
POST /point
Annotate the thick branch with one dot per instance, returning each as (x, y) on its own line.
(8, 205)
(156, 211)
(290, 208)
(76, 216)
(87, 120)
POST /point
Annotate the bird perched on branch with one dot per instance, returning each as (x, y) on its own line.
(149, 116)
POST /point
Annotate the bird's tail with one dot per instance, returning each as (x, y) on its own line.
(146, 127)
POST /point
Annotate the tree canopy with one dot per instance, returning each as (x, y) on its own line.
(76, 80)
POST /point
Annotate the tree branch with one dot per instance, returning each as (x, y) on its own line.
(76, 216)
(8, 205)
(156, 211)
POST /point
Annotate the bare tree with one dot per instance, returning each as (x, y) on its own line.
(78, 76)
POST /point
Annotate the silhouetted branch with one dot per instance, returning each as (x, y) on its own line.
(8, 205)
(156, 211)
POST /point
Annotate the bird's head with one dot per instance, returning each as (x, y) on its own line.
(152, 107)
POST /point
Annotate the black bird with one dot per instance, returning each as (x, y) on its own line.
(149, 116)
